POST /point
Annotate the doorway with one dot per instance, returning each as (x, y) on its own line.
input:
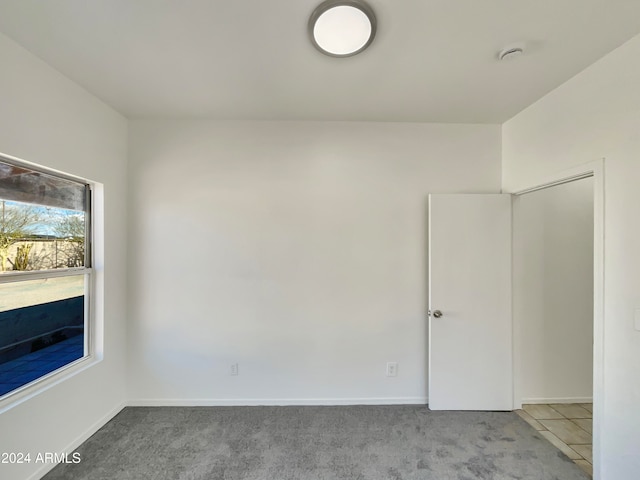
(554, 301)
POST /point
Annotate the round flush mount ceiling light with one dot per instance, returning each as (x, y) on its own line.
(342, 28)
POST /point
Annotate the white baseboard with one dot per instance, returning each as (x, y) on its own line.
(224, 402)
(557, 400)
(46, 467)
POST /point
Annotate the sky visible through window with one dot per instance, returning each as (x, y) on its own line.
(40, 220)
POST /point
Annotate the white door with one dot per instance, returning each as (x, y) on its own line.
(470, 341)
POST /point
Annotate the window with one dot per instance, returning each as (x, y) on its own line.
(45, 274)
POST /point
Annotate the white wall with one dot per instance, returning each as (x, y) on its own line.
(295, 249)
(48, 120)
(597, 114)
(553, 293)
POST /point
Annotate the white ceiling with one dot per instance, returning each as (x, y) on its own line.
(431, 61)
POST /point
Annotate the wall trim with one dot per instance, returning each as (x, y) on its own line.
(47, 467)
(538, 401)
(247, 402)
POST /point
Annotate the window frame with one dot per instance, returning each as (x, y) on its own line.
(90, 357)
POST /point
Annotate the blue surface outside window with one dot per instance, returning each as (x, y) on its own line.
(38, 339)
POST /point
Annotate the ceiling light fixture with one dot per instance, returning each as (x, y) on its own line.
(342, 28)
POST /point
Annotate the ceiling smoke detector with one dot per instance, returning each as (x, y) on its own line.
(510, 53)
(342, 28)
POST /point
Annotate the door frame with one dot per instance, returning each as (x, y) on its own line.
(595, 170)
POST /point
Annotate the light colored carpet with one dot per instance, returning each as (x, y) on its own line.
(316, 443)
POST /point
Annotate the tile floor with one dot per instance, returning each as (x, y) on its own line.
(23, 370)
(567, 426)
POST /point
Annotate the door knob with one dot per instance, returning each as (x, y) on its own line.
(437, 313)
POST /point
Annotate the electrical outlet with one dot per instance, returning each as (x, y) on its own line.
(234, 369)
(392, 369)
